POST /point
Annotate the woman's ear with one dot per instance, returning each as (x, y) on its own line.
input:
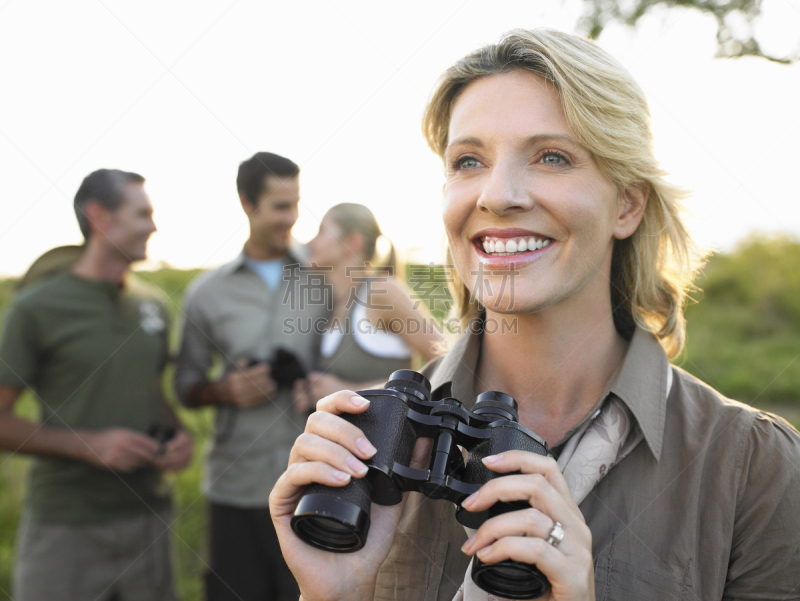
(633, 201)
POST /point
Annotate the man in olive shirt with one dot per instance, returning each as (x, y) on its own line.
(91, 343)
(238, 314)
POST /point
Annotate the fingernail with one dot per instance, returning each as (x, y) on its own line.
(484, 552)
(491, 459)
(366, 448)
(469, 500)
(358, 468)
(359, 401)
(469, 542)
(340, 475)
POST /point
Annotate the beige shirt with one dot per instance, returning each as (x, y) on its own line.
(706, 507)
(231, 314)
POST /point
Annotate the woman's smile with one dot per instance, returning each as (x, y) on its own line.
(504, 248)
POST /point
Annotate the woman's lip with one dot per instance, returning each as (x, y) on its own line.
(510, 232)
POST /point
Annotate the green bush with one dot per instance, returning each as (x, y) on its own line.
(743, 337)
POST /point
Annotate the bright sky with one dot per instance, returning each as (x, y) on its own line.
(182, 91)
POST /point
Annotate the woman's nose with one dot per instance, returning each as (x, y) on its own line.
(504, 190)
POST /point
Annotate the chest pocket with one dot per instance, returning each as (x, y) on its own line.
(413, 570)
(619, 577)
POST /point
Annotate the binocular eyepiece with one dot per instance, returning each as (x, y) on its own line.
(337, 519)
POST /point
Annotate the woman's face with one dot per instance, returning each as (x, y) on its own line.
(327, 247)
(529, 216)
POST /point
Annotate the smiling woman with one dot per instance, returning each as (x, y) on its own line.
(558, 216)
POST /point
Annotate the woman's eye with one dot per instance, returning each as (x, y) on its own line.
(467, 163)
(553, 158)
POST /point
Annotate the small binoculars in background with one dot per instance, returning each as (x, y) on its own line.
(162, 434)
(337, 518)
(285, 368)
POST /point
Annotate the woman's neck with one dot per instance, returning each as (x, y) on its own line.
(344, 286)
(555, 368)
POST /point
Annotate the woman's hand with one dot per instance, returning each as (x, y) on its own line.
(330, 452)
(522, 535)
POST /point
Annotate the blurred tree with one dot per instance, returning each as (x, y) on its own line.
(735, 20)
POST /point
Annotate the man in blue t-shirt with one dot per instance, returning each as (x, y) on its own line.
(236, 316)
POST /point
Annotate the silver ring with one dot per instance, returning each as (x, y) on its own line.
(556, 535)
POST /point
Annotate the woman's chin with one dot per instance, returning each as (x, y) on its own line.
(519, 304)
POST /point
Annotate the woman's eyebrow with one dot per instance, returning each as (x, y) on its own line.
(531, 141)
(539, 138)
(470, 141)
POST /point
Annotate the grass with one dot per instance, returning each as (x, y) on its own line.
(743, 339)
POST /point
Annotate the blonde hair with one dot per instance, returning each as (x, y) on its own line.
(354, 218)
(653, 270)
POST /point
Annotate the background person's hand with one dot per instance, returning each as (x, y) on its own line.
(247, 387)
(176, 453)
(119, 449)
(301, 394)
(330, 452)
(321, 385)
(522, 535)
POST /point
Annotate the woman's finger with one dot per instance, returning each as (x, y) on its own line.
(531, 463)
(287, 490)
(343, 401)
(523, 523)
(310, 447)
(573, 572)
(334, 428)
(537, 491)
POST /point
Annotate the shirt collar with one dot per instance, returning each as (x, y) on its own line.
(643, 385)
(642, 382)
(296, 253)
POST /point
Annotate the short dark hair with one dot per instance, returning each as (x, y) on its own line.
(253, 173)
(104, 187)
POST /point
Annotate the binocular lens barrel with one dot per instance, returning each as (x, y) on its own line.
(333, 523)
(510, 579)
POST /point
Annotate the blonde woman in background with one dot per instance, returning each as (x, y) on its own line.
(661, 487)
(376, 326)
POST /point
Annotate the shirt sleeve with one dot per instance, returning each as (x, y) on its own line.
(196, 352)
(19, 349)
(765, 552)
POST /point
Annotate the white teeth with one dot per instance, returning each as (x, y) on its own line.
(512, 246)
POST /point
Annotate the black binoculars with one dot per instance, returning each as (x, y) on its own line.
(162, 434)
(285, 367)
(337, 518)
